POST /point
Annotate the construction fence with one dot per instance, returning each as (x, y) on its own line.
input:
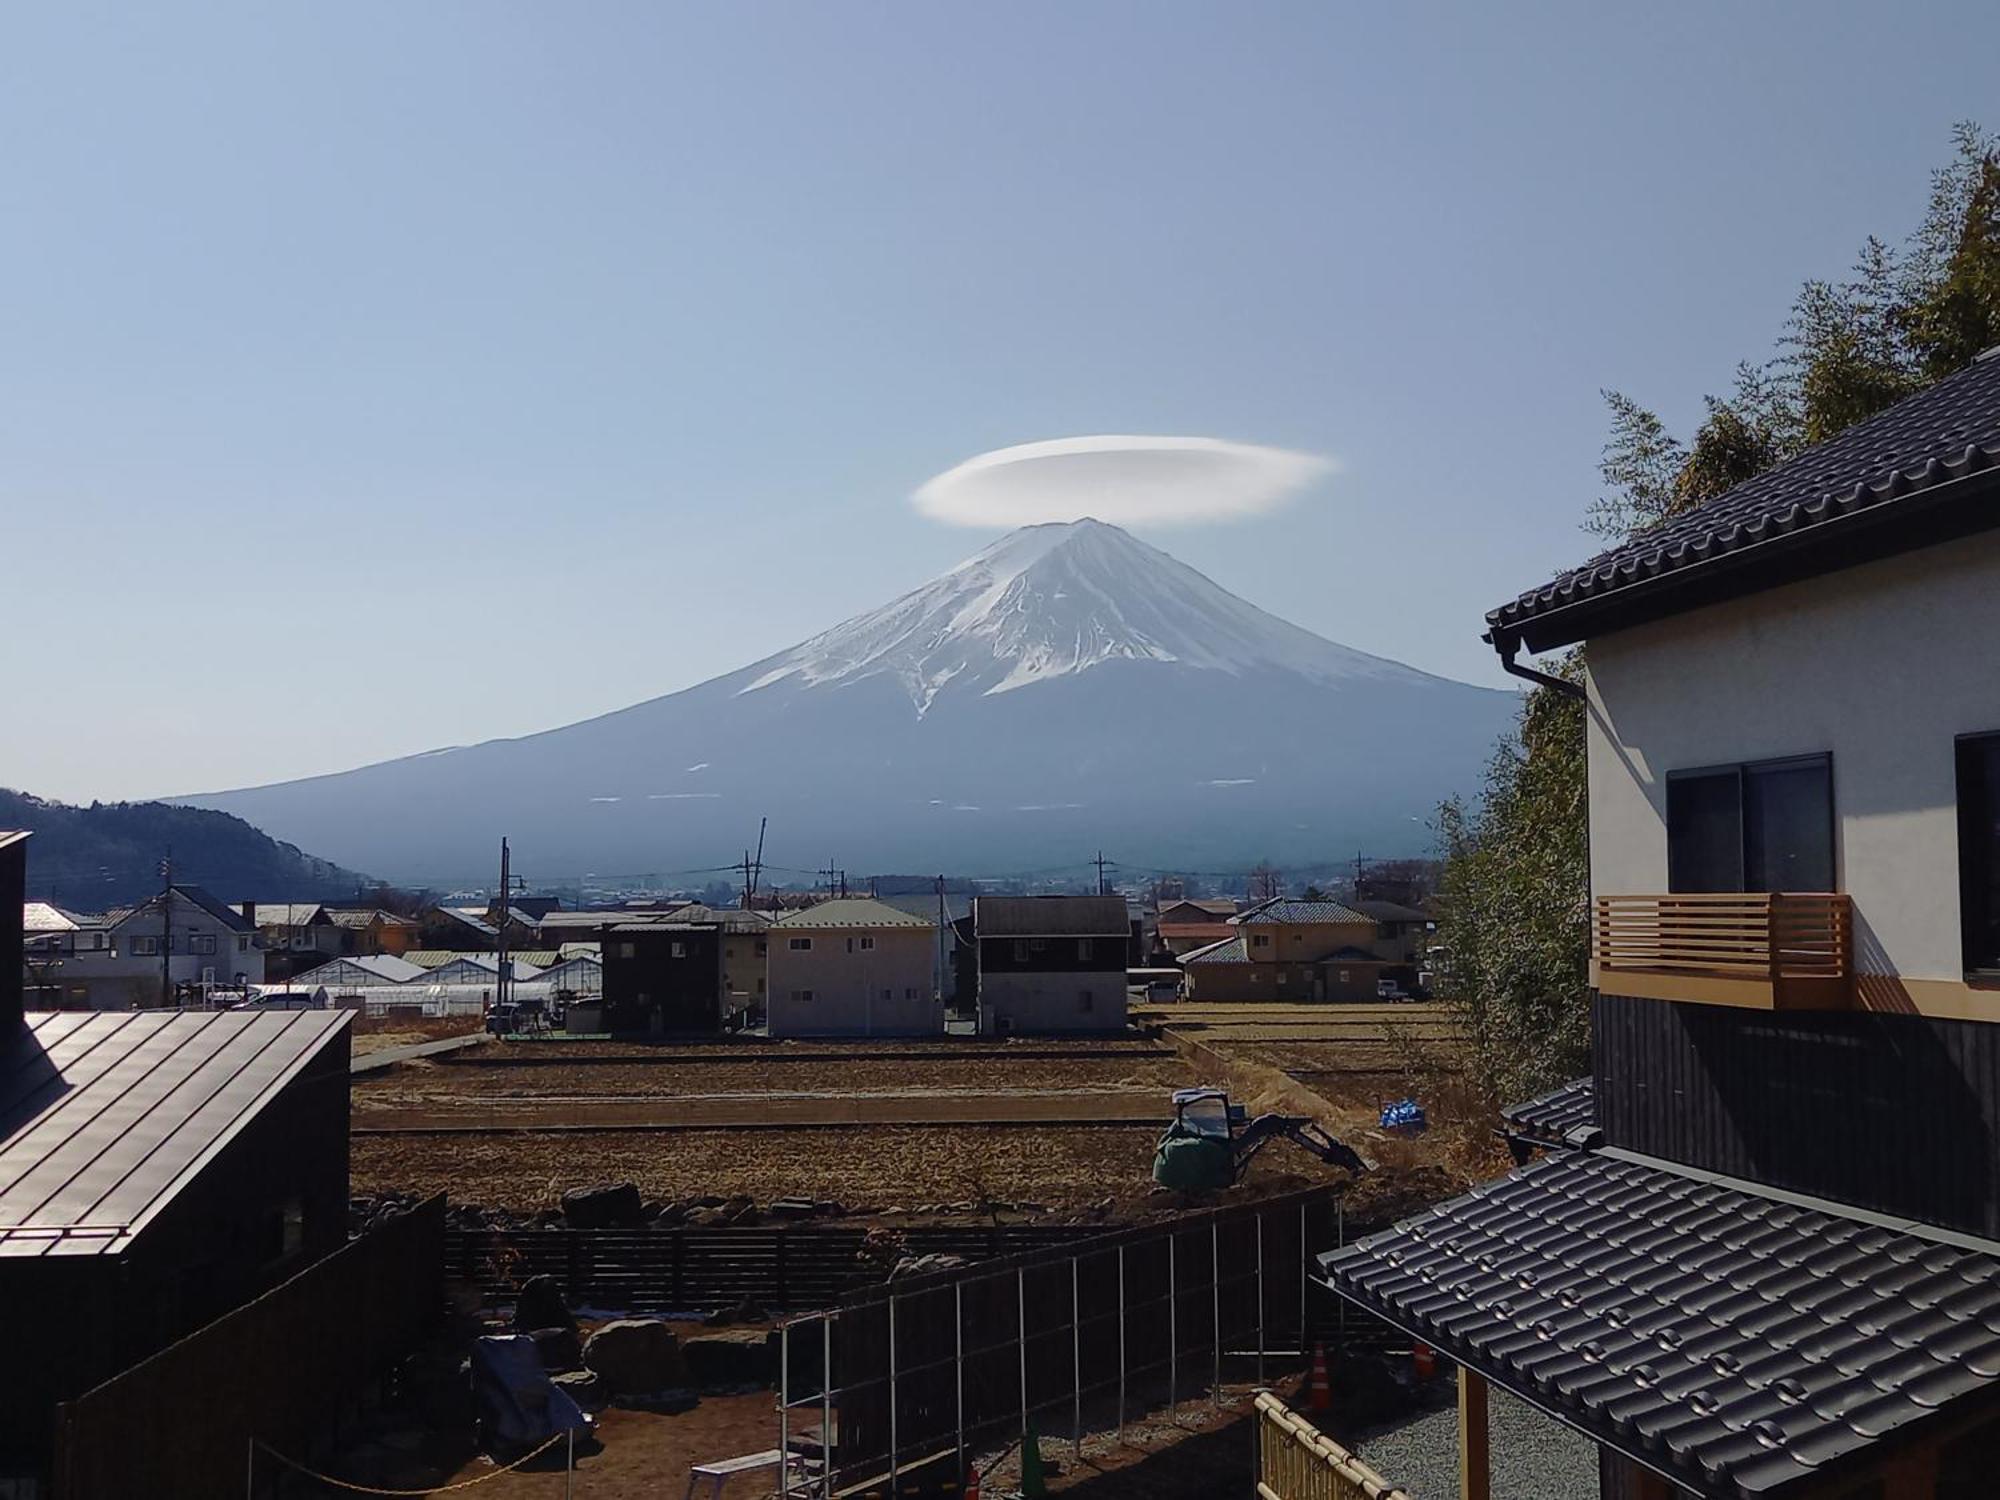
(1296, 1461)
(779, 1268)
(906, 1383)
(277, 1370)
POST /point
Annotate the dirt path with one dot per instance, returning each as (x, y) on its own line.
(770, 1111)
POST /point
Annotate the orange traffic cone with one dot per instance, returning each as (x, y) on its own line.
(1423, 1361)
(1320, 1392)
(972, 1485)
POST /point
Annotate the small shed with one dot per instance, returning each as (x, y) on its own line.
(157, 1170)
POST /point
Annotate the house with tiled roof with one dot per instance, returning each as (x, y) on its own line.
(853, 966)
(1759, 1253)
(1289, 950)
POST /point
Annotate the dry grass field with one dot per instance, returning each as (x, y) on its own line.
(513, 1124)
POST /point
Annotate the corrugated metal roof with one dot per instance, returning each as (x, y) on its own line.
(40, 917)
(1743, 1344)
(379, 967)
(852, 911)
(105, 1117)
(1947, 433)
(359, 919)
(1051, 916)
(281, 913)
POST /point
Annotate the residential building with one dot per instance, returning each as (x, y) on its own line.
(1772, 1266)
(449, 929)
(662, 978)
(367, 930)
(1289, 950)
(178, 944)
(295, 935)
(1051, 963)
(743, 936)
(1402, 933)
(156, 1171)
(853, 966)
(945, 963)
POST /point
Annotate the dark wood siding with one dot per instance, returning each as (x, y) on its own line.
(1053, 955)
(651, 991)
(1894, 1113)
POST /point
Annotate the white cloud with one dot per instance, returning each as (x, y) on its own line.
(1157, 481)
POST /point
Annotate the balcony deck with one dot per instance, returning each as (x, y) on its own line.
(1760, 950)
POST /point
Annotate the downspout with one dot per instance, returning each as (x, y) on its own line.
(1508, 646)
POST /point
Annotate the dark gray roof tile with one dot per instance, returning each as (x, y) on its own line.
(1740, 1344)
(1949, 432)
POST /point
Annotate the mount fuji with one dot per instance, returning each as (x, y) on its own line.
(1066, 689)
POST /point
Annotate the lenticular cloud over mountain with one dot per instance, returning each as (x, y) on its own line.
(1157, 481)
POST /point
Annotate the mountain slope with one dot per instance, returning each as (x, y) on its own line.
(108, 854)
(1066, 688)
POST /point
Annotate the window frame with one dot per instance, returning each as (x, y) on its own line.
(798, 945)
(1989, 970)
(1742, 770)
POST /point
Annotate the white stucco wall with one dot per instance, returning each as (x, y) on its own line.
(1030, 1002)
(1881, 665)
(849, 987)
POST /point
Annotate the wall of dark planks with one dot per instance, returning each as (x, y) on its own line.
(1895, 1113)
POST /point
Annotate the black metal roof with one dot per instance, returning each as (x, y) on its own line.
(1741, 1344)
(1547, 1119)
(1901, 461)
(105, 1116)
(1051, 916)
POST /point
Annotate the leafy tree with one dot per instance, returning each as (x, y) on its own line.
(1513, 903)
(1514, 893)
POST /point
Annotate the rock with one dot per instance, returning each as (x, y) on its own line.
(636, 1355)
(611, 1206)
(670, 1216)
(707, 1200)
(793, 1208)
(541, 1305)
(705, 1218)
(732, 1356)
(559, 1348)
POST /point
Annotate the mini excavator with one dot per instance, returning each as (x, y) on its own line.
(1211, 1142)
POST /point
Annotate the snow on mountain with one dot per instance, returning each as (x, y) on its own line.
(1053, 601)
(1067, 689)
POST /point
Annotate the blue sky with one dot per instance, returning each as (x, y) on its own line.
(340, 344)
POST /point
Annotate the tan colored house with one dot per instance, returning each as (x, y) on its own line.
(1289, 950)
(852, 967)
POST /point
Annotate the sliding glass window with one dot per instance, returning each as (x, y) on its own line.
(1764, 826)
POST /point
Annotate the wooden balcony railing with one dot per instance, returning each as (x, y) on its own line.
(1765, 950)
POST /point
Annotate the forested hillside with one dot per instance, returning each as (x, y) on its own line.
(109, 854)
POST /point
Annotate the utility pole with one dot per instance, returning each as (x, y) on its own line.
(501, 966)
(757, 876)
(940, 940)
(746, 880)
(167, 928)
(1100, 872)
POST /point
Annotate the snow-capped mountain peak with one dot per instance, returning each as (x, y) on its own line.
(1052, 601)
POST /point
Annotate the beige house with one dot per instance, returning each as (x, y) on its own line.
(852, 967)
(1289, 950)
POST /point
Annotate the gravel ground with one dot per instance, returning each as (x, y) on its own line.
(1534, 1457)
